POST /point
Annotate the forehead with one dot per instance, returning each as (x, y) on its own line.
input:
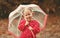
(26, 11)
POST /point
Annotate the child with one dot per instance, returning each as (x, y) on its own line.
(27, 25)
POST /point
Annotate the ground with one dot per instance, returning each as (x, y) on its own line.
(52, 29)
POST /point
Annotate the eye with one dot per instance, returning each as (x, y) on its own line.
(25, 14)
(28, 14)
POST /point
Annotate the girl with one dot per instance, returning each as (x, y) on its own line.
(28, 25)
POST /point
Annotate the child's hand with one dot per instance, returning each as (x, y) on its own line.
(26, 23)
(30, 28)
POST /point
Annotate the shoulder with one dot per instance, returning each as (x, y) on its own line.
(35, 21)
(23, 20)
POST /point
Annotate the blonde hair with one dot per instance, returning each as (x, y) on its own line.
(27, 8)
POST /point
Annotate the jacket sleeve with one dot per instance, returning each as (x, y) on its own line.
(36, 28)
(21, 25)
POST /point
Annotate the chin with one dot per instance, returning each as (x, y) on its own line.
(29, 19)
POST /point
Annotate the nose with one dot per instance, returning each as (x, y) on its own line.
(28, 16)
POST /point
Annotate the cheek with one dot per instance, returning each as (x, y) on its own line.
(30, 15)
(26, 17)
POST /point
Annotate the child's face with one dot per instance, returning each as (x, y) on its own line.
(28, 15)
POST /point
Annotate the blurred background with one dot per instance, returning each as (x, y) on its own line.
(51, 7)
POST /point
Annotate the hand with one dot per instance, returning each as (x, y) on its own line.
(30, 28)
(26, 23)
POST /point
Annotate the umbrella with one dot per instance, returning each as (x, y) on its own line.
(16, 15)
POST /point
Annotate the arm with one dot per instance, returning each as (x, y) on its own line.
(21, 25)
(36, 28)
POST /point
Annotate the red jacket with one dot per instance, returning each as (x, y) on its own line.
(26, 33)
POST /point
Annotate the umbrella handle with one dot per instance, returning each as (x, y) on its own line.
(32, 33)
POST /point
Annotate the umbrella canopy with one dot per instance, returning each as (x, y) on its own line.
(16, 15)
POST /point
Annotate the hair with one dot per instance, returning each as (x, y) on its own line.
(29, 8)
